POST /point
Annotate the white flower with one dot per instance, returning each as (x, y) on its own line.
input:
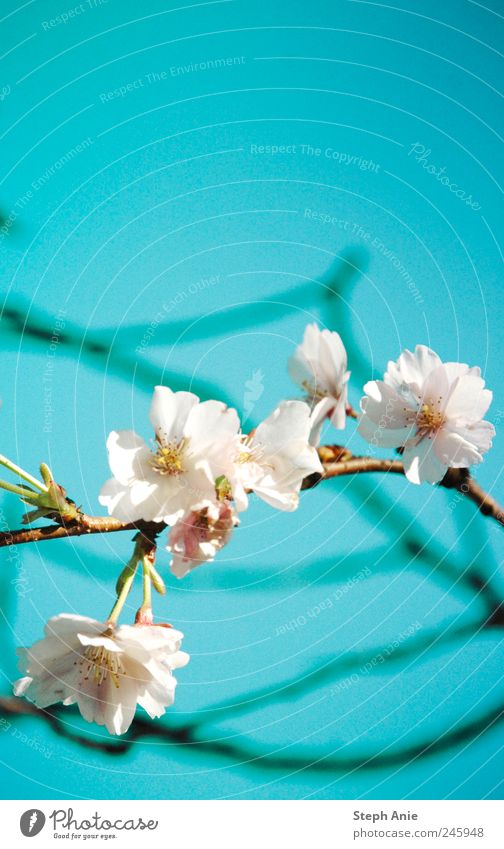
(105, 671)
(433, 410)
(194, 444)
(276, 457)
(198, 536)
(319, 366)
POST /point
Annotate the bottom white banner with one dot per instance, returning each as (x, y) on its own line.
(228, 824)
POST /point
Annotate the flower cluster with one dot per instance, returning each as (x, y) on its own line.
(195, 476)
(200, 468)
(431, 411)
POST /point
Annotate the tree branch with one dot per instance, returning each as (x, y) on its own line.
(82, 526)
(336, 460)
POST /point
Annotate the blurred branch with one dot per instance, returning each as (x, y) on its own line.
(98, 347)
(240, 750)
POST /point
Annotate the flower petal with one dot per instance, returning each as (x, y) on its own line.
(479, 434)
(383, 437)
(319, 413)
(301, 371)
(66, 624)
(455, 370)
(169, 412)
(384, 406)
(291, 420)
(412, 367)
(127, 453)
(119, 708)
(209, 425)
(280, 500)
(338, 416)
(421, 463)
(149, 638)
(131, 503)
(319, 364)
(106, 642)
(22, 685)
(469, 401)
(454, 451)
(152, 706)
(332, 364)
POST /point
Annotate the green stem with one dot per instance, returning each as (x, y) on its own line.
(147, 585)
(4, 461)
(18, 490)
(122, 596)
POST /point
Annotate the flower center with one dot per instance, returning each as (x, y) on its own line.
(99, 662)
(429, 419)
(316, 394)
(251, 452)
(169, 457)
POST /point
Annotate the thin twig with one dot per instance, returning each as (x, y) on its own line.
(458, 479)
(82, 526)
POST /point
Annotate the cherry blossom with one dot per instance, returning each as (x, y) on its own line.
(432, 410)
(276, 457)
(197, 537)
(195, 443)
(319, 366)
(105, 670)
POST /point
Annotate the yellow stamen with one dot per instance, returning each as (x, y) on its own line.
(244, 457)
(169, 457)
(315, 393)
(252, 451)
(429, 420)
(100, 662)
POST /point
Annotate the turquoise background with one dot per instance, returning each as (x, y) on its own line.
(151, 240)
